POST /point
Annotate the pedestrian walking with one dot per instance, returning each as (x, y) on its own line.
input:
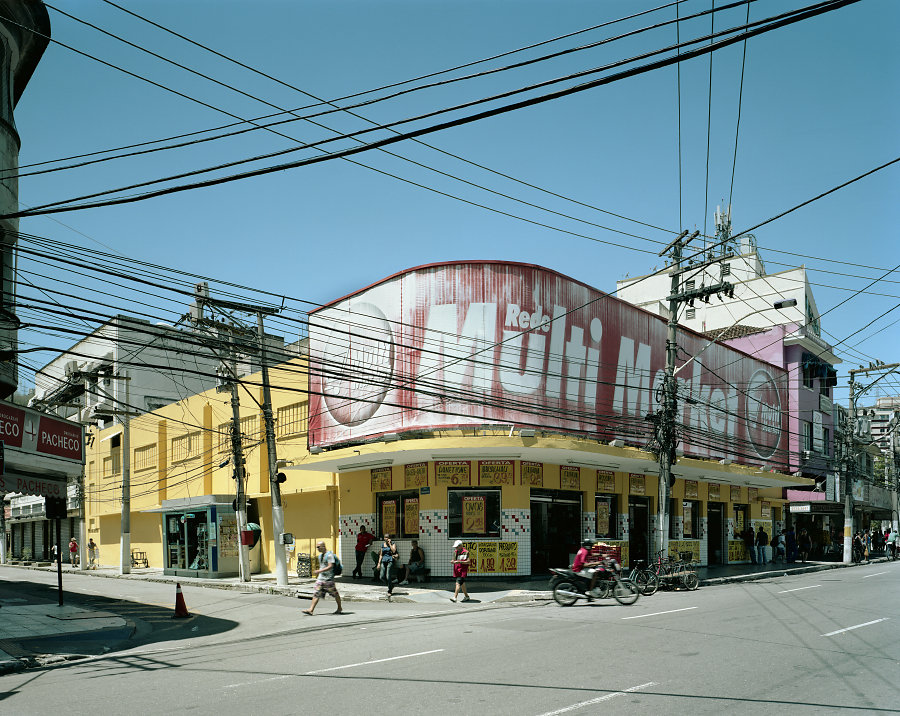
(804, 542)
(762, 541)
(777, 547)
(363, 540)
(388, 564)
(325, 580)
(460, 564)
(867, 544)
(93, 554)
(73, 551)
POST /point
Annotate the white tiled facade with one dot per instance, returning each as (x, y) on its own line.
(434, 539)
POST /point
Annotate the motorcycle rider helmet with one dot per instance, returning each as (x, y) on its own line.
(588, 543)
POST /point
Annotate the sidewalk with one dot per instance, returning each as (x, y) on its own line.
(19, 621)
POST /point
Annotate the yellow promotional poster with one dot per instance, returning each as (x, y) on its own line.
(452, 473)
(678, 547)
(737, 552)
(411, 516)
(389, 517)
(474, 516)
(636, 484)
(532, 473)
(472, 549)
(735, 493)
(714, 495)
(487, 558)
(739, 521)
(494, 473)
(381, 479)
(603, 518)
(416, 475)
(508, 557)
(688, 511)
(753, 494)
(569, 478)
(606, 481)
(766, 510)
(690, 490)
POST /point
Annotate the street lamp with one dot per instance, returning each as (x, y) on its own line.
(778, 305)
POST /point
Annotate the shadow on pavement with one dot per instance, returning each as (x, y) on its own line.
(123, 623)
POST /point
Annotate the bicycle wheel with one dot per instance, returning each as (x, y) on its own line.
(690, 580)
(625, 591)
(646, 581)
(565, 594)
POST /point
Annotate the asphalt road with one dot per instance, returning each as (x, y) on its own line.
(816, 643)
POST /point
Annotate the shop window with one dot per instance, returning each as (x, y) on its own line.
(397, 513)
(605, 508)
(474, 513)
(807, 435)
(292, 420)
(690, 526)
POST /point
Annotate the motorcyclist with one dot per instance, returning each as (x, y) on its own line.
(584, 568)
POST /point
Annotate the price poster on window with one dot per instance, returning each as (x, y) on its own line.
(508, 557)
(569, 478)
(603, 518)
(753, 493)
(474, 515)
(714, 491)
(472, 549)
(766, 510)
(636, 484)
(690, 489)
(606, 481)
(381, 478)
(494, 473)
(416, 475)
(688, 512)
(487, 558)
(389, 517)
(411, 516)
(452, 473)
(735, 493)
(532, 473)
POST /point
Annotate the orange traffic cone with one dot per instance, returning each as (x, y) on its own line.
(180, 606)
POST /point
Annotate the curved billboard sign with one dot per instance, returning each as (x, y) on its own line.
(478, 343)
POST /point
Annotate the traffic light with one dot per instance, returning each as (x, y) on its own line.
(280, 478)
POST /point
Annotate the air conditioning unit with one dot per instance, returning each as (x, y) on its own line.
(805, 454)
(71, 368)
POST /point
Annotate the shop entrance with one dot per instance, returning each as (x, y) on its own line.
(555, 528)
(187, 541)
(638, 530)
(716, 528)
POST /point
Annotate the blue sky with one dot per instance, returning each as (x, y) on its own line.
(819, 106)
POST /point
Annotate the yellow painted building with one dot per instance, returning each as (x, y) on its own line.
(522, 503)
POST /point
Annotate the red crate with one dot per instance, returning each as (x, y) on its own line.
(607, 551)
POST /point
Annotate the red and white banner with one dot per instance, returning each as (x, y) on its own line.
(493, 342)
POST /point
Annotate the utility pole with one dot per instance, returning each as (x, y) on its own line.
(125, 543)
(240, 503)
(202, 298)
(274, 478)
(849, 462)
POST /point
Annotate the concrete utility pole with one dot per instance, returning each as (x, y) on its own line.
(125, 543)
(849, 462)
(239, 476)
(274, 478)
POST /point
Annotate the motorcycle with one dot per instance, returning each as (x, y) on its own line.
(568, 587)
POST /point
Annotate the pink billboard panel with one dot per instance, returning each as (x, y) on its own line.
(477, 343)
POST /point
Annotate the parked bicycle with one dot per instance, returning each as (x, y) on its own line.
(646, 580)
(673, 574)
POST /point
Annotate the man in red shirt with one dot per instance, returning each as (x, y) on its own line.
(363, 540)
(585, 568)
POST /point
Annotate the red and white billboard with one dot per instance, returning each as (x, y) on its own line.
(480, 342)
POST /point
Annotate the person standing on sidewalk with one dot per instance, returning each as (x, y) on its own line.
(73, 551)
(460, 564)
(747, 536)
(93, 554)
(387, 563)
(804, 542)
(363, 540)
(762, 541)
(324, 580)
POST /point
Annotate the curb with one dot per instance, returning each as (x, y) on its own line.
(757, 576)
